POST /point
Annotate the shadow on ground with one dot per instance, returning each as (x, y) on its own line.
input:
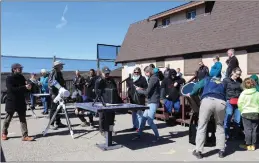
(2, 155)
(146, 140)
(81, 133)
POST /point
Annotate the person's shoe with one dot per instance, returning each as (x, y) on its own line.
(156, 140)
(244, 146)
(197, 154)
(252, 147)
(221, 154)
(137, 130)
(136, 138)
(103, 133)
(27, 138)
(4, 137)
(83, 124)
(133, 129)
(92, 125)
(45, 113)
(53, 127)
(61, 125)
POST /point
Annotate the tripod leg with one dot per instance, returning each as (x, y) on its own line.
(33, 113)
(51, 120)
(95, 100)
(69, 123)
(103, 101)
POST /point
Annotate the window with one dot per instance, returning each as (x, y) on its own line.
(191, 65)
(165, 21)
(160, 63)
(252, 62)
(191, 14)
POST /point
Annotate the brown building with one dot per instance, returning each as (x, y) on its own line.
(183, 36)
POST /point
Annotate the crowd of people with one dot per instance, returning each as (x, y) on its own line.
(224, 95)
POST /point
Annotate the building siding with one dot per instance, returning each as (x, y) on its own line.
(178, 62)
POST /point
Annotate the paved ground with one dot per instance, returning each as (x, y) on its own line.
(59, 146)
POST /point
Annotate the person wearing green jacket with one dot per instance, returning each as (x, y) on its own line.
(248, 104)
(255, 78)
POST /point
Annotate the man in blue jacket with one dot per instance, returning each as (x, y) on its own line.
(213, 102)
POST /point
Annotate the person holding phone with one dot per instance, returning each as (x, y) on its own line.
(16, 92)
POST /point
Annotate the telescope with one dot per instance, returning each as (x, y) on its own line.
(62, 92)
(60, 99)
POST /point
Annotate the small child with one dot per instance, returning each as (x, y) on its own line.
(248, 104)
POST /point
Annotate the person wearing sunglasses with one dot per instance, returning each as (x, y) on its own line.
(140, 81)
(233, 91)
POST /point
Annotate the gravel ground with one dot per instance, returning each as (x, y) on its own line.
(59, 146)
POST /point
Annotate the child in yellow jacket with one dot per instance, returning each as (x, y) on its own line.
(248, 104)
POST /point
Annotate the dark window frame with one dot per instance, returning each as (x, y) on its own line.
(166, 21)
(160, 63)
(191, 64)
(191, 16)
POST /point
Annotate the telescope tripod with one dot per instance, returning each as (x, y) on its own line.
(99, 98)
(63, 107)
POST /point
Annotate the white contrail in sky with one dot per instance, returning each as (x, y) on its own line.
(63, 21)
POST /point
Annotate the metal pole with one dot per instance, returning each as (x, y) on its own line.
(54, 59)
(98, 61)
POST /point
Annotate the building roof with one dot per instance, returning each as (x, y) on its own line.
(229, 25)
(176, 9)
(116, 72)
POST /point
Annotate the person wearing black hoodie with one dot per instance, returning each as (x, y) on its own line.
(135, 98)
(16, 91)
(170, 92)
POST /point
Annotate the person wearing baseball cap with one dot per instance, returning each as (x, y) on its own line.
(107, 82)
(16, 90)
(56, 78)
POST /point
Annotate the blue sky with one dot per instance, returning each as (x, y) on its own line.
(69, 29)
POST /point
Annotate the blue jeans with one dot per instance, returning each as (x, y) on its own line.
(230, 110)
(169, 105)
(33, 101)
(149, 115)
(136, 119)
(44, 101)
